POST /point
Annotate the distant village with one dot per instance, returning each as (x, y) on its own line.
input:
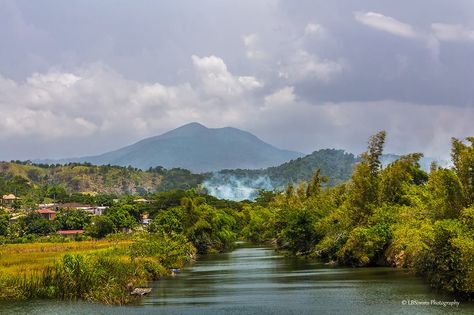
(49, 211)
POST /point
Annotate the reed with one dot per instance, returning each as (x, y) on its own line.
(102, 271)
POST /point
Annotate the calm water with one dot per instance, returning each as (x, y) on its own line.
(256, 280)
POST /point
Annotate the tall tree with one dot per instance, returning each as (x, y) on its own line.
(463, 158)
(363, 197)
(374, 151)
(314, 186)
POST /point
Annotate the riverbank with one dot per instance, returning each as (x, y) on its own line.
(105, 271)
(257, 279)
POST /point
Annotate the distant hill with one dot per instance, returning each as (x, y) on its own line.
(337, 165)
(16, 177)
(197, 148)
(425, 162)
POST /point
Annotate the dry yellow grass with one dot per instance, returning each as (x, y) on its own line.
(17, 259)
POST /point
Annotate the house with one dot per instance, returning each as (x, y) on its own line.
(73, 206)
(93, 210)
(47, 205)
(99, 210)
(9, 199)
(70, 233)
(48, 214)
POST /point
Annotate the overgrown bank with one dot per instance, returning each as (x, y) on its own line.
(398, 216)
(108, 273)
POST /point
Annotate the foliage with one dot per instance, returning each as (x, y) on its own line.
(100, 226)
(398, 215)
(75, 219)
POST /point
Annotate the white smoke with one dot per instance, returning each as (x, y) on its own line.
(237, 189)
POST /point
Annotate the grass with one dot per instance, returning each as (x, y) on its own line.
(25, 259)
(103, 271)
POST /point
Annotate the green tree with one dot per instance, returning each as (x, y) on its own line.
(121, 216)
(75, 219)
(299, 234)
(100, 226)
(4, 223)
(396, 178)
(446, 191)
(314, 186)
(364, 188)
(34, 223)
(463, 159)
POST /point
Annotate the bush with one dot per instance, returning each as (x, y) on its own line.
(448, 260)
(365, 246)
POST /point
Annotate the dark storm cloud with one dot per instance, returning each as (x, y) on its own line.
(301, 74)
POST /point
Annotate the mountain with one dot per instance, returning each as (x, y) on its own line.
(197, 148)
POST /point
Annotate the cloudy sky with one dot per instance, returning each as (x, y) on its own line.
(84, 77)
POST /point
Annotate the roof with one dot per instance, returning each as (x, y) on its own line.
(45, 211)
(9, 197)
(69, 232)
(72, 205)
(46, 205)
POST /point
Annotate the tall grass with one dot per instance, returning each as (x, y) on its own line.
(89, 272)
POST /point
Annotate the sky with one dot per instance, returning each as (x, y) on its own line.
(85, 77)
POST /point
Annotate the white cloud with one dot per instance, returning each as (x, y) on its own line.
(395, 27)
(217, 81)
(282, 97)
(252, 46)
(94, 106)
(312, 29)
(386, 24)
(96, 100)
(452, 32)
(303, 65)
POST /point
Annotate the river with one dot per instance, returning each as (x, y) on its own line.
(257, 280)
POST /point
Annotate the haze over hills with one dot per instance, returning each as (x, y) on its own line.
(238, 184)
(197, 148)
(336, 165)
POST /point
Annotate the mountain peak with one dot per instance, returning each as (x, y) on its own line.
(190, 129)
(193, 125)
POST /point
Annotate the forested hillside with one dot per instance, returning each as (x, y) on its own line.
(20, 178)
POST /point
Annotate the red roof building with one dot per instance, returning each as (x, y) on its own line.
(48, 214)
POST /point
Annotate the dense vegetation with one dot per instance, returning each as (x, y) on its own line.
(105, 271)
(184, 224)
(397, 215)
